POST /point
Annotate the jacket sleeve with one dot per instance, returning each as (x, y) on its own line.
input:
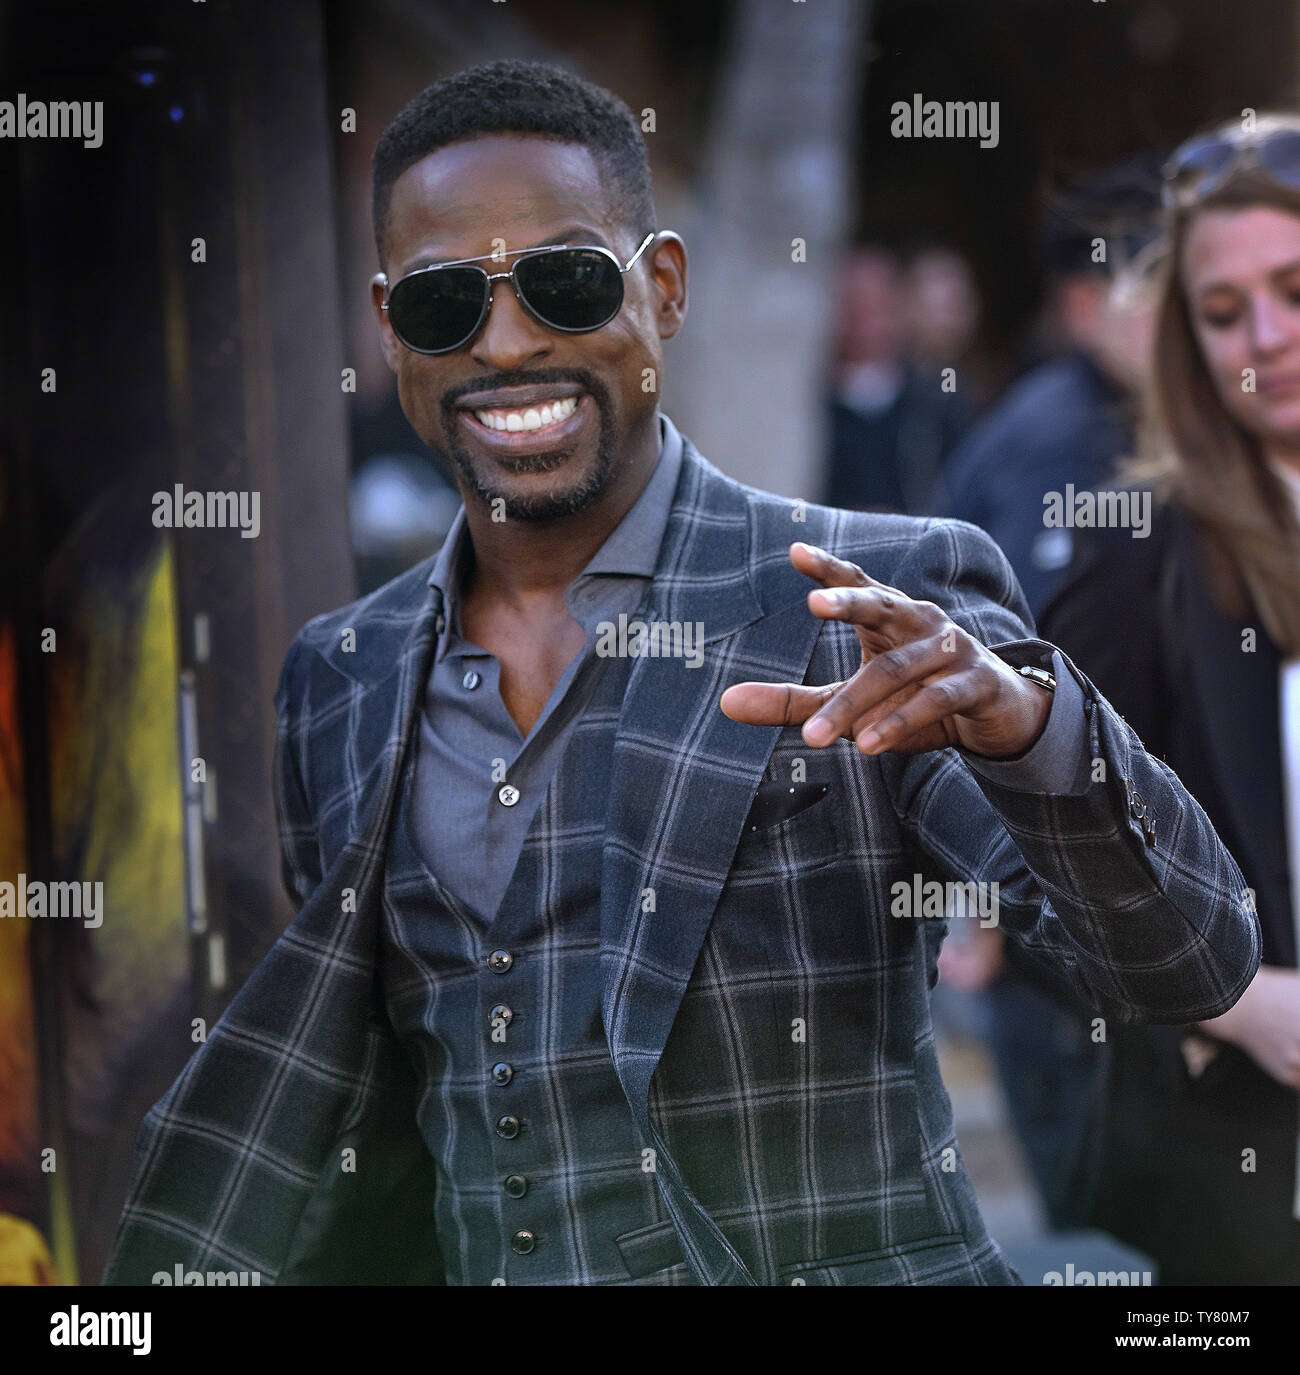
(1124, 886)
(300, 866)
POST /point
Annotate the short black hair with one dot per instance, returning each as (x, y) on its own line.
(516, 97)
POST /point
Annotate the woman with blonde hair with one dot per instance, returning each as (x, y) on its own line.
(1193, 632)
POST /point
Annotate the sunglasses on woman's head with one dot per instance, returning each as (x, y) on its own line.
(441, 308)
(1202, 165)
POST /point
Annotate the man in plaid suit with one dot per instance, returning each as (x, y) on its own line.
(620, 850)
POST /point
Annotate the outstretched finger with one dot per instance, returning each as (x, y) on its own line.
(822, 566)
(884, 610)
(774, 704)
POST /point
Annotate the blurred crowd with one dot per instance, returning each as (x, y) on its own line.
(1169, 372)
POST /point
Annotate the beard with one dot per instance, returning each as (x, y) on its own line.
(554, 505)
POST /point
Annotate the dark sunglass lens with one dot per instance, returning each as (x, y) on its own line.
(433, 312)
(573, 288)
(1280, 156)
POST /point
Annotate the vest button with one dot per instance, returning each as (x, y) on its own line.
(508, 1127)
(499, 961)
(522, 1243)
(502, 1074)
(516, 1185)
(507, 795)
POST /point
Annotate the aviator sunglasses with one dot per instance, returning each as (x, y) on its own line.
(574, 289)
(1202, 165)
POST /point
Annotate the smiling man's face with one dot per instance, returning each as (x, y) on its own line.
(462, 201)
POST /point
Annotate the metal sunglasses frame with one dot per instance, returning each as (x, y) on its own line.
(1245, 150)
(519, 254)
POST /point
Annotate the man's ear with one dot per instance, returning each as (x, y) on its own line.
(387, 339)
(667, 256)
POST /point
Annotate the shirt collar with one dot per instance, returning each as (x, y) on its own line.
(632, 547)
(633, 544)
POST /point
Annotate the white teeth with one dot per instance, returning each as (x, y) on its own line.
(534, 418)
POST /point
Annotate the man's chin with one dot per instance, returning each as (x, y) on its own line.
(526, 464)
(542, 504)
(519, 489)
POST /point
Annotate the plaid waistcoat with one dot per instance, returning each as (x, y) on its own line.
(543, 1177)
(766, 1015)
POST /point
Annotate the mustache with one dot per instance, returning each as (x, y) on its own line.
(498, 381)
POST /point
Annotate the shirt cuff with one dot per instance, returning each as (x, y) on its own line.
(1057, 762)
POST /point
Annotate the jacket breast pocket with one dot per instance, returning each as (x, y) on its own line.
(778, 802)
(790, 827)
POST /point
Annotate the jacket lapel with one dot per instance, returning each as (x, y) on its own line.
(684, 774)
(387, 668)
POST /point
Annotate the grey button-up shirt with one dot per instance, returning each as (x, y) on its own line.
(479, 782)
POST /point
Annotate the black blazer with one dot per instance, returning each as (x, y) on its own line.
(1167, 1145)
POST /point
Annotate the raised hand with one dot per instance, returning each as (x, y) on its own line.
(925, 684)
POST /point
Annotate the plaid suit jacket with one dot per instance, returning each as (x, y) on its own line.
(288, 1144)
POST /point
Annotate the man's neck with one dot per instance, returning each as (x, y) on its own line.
(517, 561)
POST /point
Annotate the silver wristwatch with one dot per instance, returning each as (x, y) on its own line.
(1039, 676)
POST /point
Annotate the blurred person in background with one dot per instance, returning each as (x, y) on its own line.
(1194, 634)
(941, 307)
(892, 423)
(1068, 421)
